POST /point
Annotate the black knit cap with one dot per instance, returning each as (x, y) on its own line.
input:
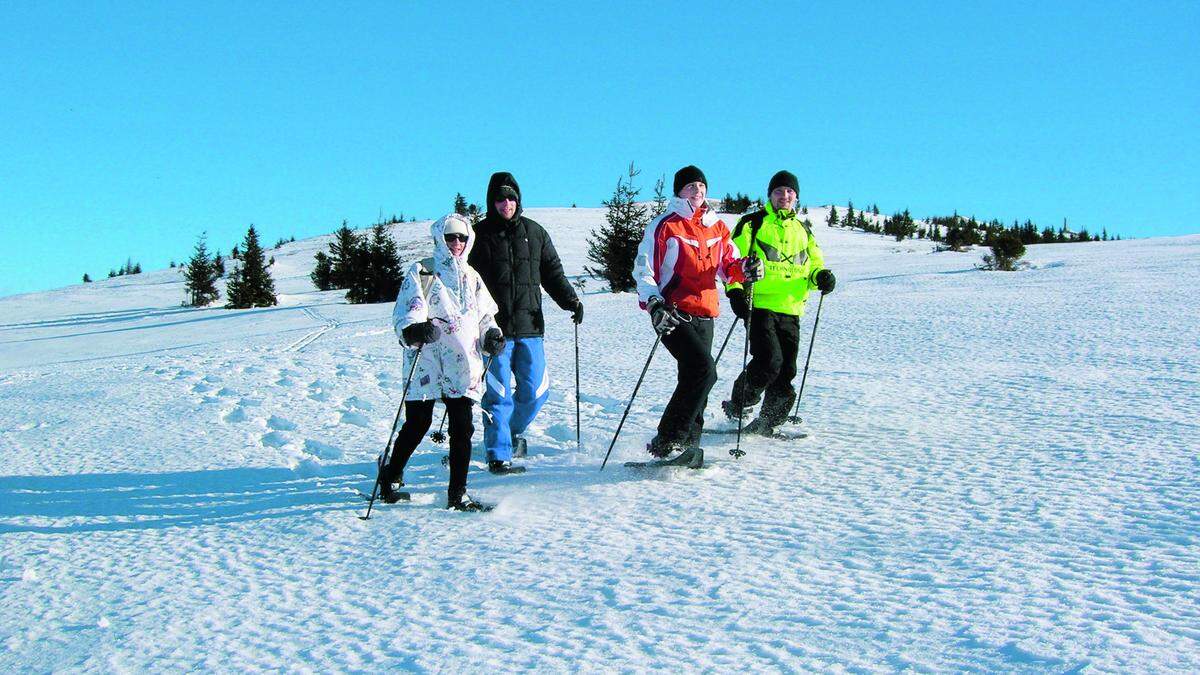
(688, 175)
(785, 179)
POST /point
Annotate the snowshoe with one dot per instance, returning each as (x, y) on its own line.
(464, 502)
(692, 458)
(501, 468)
(390, 495)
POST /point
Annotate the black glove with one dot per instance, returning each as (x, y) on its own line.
(421, 333)
(493, 342)
(577, 313)
(753, 269)
(826, 281)
(737, 302)
(662, 318)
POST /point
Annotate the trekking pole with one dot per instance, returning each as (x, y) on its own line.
(632, 396)
(795, 418)
(737, 451)
(387, 449)
(727, 336)
(578, 442)
(439, 436)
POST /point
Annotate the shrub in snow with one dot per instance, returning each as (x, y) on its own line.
(1006, 251)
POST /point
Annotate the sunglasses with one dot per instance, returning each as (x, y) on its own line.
(456, 237)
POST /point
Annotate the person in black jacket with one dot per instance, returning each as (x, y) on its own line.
(516, 259)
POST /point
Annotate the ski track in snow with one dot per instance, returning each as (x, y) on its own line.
(1001, 476)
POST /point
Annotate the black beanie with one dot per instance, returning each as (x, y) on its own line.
(688, 175)
(784, 179)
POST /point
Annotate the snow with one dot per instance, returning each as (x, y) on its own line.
(1001, 475)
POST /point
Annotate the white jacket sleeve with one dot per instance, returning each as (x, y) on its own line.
(643, 265)
(411, 305)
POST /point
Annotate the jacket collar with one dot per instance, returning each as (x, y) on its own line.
(683, 208)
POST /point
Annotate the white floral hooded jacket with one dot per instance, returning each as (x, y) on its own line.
(459, 304)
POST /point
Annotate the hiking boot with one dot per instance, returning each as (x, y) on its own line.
(759, 427)
(464, 502)
(662, 449)
(733, 412)
(501, 468)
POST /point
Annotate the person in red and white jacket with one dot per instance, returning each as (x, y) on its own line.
(682, 255)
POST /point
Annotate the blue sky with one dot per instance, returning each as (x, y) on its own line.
(128, 128)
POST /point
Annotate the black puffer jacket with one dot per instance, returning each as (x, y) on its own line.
(516, 259)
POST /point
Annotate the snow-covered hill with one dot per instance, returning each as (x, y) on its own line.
(1001, 474)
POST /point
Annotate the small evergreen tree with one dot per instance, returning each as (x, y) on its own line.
(86, 278)
(613, 248)
(660, 197)
(250, 284)
(378, 266)
(218, 266)
(1006, 251)
(322, 273)
(832, 220)
(343, 256)
(850, 219)
(200, 276)
(460, 204)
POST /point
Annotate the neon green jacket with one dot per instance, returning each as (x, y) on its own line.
(788, 251)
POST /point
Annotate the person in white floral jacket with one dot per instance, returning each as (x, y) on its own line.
(445, 319)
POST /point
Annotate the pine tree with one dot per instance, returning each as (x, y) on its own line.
(850, 220)
(832, 220)
(660, 197)
(200, 276)
(460, 204)
(343, 255)
(322, 272)
(86, 278)
(379, 275)
(614, 247)
(250, 284)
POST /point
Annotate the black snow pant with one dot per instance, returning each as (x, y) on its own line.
(418, 416)
(774, 344)
(691, 345)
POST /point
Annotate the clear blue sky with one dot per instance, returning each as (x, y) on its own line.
(127, 128)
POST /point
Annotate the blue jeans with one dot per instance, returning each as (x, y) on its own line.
(508, 410)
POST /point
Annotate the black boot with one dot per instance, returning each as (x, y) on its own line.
(663, 448)
(501, 468)
(387, 492)
(463, 502)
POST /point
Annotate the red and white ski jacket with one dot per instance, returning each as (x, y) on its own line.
(682, 254)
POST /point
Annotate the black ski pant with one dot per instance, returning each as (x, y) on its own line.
(691, 345)
(774, 344)
(418, 416)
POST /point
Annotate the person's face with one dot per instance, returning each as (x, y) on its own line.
(694, 193)
(457, 243)
(506, 206)
(783, 198)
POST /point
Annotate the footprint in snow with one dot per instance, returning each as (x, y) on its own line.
(322, 450)
(234, 416)
(201, 388)
(285, 381)
(280, 424)
(357, 403)
(274, 439)
(357, 419)
(319, 396)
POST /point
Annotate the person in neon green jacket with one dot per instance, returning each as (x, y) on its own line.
(794, 266)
